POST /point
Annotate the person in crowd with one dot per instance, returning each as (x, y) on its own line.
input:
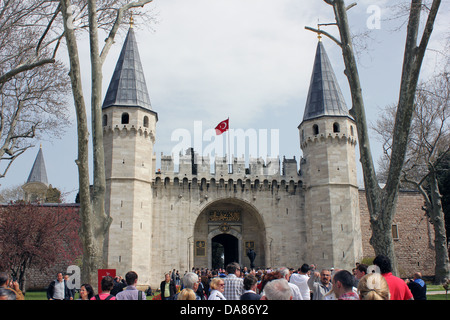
(360, 271)
(187, 294)
(234, 284)
(13, 286)
(373, 286)
(267, 278)
(343, 282)
(397, 287)
(107, 284)
(168, 288)
(250, 284)
(277, 289)
(190, 281)
(131, 292)
(417, 286)
(7, 294)
(201, 290)
(300, 279)
(119, 285)
(218, 286)
(58, 289)
(296, 295)
(323, 286)
(86, 292)
(73, 290)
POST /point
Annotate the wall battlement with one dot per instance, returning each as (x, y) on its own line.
(192, 166)
(194, 172)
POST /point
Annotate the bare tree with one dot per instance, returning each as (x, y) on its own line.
(33, 85)
(428, 145)
(95, 223)
(27, 39)
(381, 202)
(32, 104)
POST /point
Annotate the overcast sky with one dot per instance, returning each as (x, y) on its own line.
(251, 61)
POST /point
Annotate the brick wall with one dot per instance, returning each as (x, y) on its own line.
(414, 246)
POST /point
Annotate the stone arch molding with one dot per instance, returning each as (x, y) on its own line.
(253, 231)
(203, 206)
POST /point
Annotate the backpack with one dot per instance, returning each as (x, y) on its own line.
(97, 297)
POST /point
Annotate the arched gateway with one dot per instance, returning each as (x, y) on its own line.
(225, 230)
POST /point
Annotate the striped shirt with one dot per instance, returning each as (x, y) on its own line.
(234, 287)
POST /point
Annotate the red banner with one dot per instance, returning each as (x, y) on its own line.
(103, 273)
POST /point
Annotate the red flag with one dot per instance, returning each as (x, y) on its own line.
(222, 127)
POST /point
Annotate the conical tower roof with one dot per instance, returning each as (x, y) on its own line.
(324, 97)
(127, 86)
(38, 172)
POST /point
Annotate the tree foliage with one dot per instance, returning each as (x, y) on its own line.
(36, 236)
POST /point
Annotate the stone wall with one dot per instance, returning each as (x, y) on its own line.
(414, 240)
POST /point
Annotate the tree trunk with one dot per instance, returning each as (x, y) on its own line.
(382, 202)
(442, 271)
(92, 245)
(98, 192)
(380, 214)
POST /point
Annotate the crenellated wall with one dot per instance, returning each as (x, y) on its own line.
(182, 201)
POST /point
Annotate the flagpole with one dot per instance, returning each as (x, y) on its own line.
(229, 153)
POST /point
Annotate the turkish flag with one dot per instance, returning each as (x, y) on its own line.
(222, 127)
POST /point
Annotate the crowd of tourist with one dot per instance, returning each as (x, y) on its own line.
(234, 283)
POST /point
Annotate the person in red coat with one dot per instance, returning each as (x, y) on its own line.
(397, 287)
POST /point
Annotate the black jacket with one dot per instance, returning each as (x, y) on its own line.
(172, 289)
(250, 296)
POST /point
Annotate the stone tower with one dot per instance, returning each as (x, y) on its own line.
(327, 139)
(37, 183)
(129, 135)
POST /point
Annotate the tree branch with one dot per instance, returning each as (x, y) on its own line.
(112, 34)
(24, 67)
(318, 31)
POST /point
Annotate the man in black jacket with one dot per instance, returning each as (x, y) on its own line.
(58, 289)
(168, 288)
(250, 283)
(417, 286)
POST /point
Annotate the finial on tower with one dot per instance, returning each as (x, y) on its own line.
(131, 20)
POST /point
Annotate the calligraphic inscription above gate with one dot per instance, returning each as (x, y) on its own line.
(221, 216)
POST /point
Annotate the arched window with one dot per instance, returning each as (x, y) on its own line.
(336, 127)
(145, 122)
(125, 118)
(105, 120)
(351, 130)
(315, 129)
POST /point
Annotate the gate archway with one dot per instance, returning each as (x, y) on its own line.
(234, 226)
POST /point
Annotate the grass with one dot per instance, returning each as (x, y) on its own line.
(36, 295)
(41, 295)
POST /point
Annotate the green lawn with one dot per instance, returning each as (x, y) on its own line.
(41, 295)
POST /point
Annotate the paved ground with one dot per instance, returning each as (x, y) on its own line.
(435, 292)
